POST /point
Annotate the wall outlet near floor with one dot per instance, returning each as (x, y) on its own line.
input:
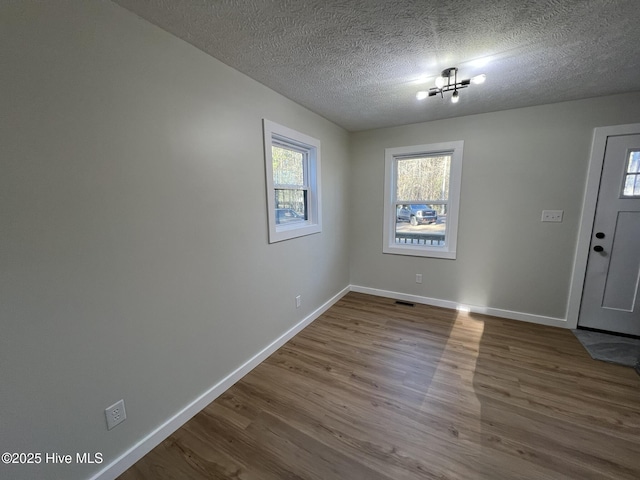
(418, 278)
(298, 301)
(552, 215)
(115, 414)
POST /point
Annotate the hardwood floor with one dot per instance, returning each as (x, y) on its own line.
(378, 391)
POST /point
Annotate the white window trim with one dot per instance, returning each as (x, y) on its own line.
(313, 224)
(455, 149)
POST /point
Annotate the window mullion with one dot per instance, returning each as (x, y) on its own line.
(285, 186)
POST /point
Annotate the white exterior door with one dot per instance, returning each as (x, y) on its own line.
(610, 297)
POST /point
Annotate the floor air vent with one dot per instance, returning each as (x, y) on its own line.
(406, 304)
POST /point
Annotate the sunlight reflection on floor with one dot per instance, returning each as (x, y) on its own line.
(453, 384)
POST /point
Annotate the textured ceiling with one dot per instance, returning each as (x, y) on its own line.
(359, 63)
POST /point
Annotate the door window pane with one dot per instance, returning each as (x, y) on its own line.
(634, 162)
(632, 177)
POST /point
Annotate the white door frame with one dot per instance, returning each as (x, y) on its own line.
(600, 135)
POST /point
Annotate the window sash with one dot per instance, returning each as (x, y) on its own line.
(293, 203)
(305, 166)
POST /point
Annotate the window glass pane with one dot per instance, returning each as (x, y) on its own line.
(634, 162)
(632, 186)
(423, 178)
(628, 185)
(288, 166)
(419, 225)
(291, 205)
(632, 177)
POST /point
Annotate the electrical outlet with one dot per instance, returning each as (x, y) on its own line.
(552, 215)
(418, 278)
(298, 301)
(115, 414)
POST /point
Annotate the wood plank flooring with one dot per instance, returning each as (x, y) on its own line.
(378, 391)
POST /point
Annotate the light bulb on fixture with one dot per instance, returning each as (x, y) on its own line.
(422, 95)
(478, 79)
(455, 97)
(440, 81)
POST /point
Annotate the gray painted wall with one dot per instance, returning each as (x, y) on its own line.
(516, 164)
(134, 260)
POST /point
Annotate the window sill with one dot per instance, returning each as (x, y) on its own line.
(287, 232)
(420, 251)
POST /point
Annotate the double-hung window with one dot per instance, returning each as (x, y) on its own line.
(422, 197)
(292, 163)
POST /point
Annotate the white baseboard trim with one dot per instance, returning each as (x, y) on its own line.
(144, 446)
(496, 312)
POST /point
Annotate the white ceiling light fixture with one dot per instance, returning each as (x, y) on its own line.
(447, 82)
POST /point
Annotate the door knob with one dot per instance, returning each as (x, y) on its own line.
(599, 235)
(598, 248)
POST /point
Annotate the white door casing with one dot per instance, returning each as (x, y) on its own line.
(625, 222)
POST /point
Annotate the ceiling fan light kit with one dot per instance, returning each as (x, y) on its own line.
(448, 81)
